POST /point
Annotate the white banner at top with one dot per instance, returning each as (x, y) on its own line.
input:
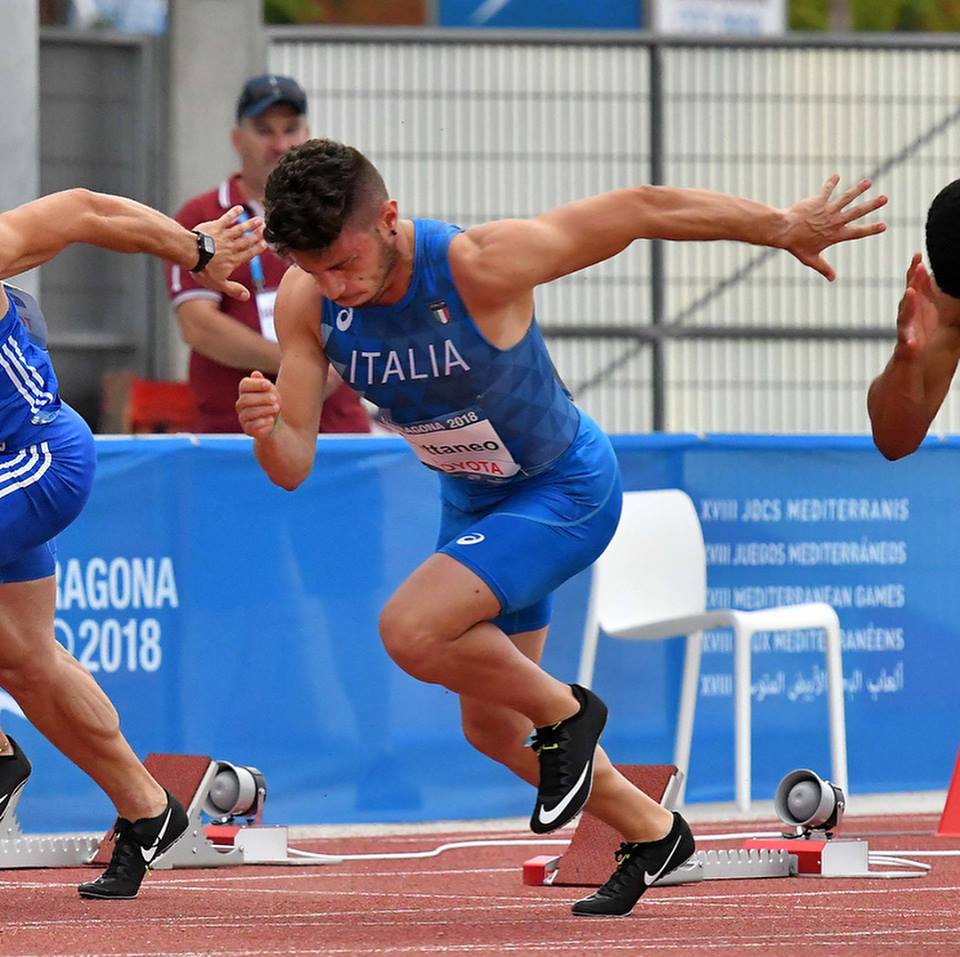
(754, 17)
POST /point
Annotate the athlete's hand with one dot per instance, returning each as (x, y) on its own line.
(258, 406)
(820, 221)
(917, 316)
(236, 243)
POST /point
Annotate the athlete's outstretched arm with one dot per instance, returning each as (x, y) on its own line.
(34, 233)
(510, 256)
(905, 398)
(284, 419)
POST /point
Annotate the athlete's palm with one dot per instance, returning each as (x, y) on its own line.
(917, 317)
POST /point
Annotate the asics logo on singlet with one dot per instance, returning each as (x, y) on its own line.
(344, 319)
(473, 538)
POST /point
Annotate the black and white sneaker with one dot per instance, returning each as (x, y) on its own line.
(566, 752)
(14, 771)
(639, 866)
(138, 843)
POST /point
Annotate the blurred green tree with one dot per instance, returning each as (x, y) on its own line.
(370, 12)
(881, 15)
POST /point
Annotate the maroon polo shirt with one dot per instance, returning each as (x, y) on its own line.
(214, 385)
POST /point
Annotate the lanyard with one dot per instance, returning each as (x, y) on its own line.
(256, 266)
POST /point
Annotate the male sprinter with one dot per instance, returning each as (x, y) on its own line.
(436, 327)
(46, 471)
(905, 398)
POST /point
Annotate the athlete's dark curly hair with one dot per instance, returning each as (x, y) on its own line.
(943, 238)
(314, 191)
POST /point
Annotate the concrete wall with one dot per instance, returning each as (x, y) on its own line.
(18, 132)
(215, 45)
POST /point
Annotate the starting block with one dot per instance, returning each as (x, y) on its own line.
(191, 779)
(21, 850)
(587, 862)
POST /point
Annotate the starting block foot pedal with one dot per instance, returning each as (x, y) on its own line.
(589, 859)
(21, 850)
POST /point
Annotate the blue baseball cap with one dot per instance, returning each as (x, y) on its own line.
(261, 92)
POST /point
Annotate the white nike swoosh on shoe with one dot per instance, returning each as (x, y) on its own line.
(147, 857)
(647, 878)
(548, 817)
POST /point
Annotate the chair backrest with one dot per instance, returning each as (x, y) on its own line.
(655, 566)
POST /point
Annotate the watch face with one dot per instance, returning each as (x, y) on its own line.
(209, 246)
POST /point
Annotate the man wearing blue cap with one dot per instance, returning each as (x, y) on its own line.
(228, 338)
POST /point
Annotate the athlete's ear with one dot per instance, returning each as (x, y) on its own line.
(389, 216)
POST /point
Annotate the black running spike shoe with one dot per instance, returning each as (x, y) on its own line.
(639, 866)
(14, 771)
(566, 752)
(138, 843)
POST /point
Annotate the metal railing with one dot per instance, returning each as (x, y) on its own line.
(475, 125)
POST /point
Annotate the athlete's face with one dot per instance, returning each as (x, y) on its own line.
(359, 269)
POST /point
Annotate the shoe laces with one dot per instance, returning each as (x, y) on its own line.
(126, 862)
(624, 873)
(548, 744)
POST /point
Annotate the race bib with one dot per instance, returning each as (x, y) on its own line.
(265, 301)
(462, 443)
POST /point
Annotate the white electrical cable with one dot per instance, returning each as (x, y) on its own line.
(414, 855)
(921, 853)
(881, 858)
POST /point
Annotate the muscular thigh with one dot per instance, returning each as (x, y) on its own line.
(26, 622)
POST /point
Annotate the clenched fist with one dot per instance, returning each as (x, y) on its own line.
(258, 405)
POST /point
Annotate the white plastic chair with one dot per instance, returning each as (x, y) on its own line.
(651, 582)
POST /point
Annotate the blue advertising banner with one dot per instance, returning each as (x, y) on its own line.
(227, 617)
(560, 14)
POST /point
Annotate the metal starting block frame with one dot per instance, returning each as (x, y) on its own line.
(718, 865)
(22, 850)
(721, 865)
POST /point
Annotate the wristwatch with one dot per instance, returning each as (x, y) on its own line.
(206, 249)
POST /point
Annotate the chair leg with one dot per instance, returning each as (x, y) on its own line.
(741, 705)
(835, 704)
(591, 634)
(688, 704)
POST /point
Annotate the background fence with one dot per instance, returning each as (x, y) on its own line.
(706, 337)
(101, 117)
(474, 125)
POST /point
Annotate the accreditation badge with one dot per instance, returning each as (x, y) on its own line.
(265, 302)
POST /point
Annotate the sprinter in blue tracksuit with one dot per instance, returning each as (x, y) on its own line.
(435, 325)
(46, 471)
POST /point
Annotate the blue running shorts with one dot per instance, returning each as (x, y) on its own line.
(527, 538)
(44, 484)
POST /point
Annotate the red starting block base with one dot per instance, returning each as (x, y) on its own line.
(835, 858)
(540, 870)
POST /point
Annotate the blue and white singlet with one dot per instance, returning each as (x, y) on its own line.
(467, 408)
(47, 453)
(530, 485)
(29, 392)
